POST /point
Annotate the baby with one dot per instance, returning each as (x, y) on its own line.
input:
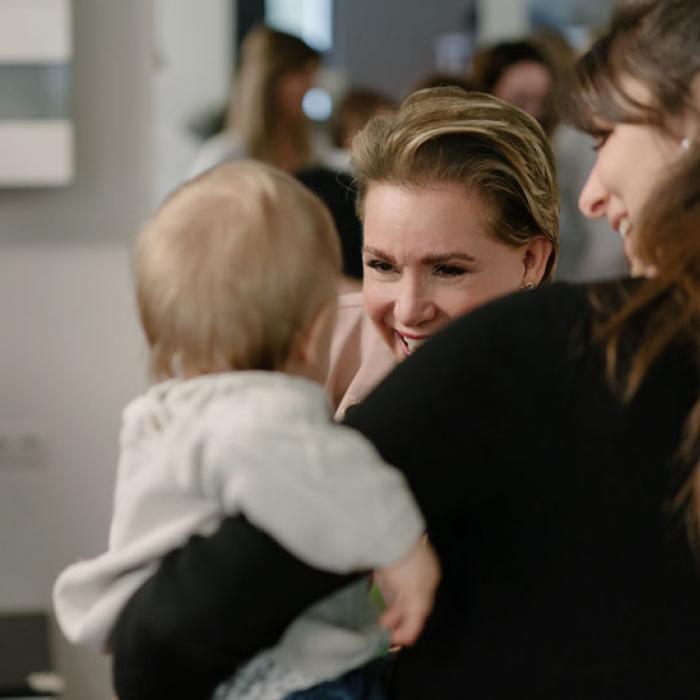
(236, 282)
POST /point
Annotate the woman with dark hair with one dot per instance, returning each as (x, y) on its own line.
(520, 73)
(552, 440)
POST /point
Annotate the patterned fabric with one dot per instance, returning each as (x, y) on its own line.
(363, 684)
(262, 679)
(266, 679)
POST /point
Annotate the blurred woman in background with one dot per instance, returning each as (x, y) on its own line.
(265, 117)
(536, 75)
(520, 73)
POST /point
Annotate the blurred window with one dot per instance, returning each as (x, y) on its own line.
(312, 20)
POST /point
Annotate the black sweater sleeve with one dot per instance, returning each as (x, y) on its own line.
(211, 606)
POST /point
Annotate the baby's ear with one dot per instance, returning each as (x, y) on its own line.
(311, 347)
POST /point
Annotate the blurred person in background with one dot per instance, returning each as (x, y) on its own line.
(588, 250)
(265, 119)
(520, 73)
(332, 182)
(353, 111)
(535, 74)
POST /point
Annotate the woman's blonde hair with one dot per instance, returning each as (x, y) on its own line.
(266, 57)
(494, 150)
(656, 42)
(233, 265)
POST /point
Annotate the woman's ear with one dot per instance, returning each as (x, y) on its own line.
(687, 126)
(691, 115)
(536, 254)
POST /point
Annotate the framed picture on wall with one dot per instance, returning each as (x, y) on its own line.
(36, 130)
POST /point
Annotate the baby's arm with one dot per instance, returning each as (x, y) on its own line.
(409, 590)
(212, 605)
(328, 498)
(323, 493)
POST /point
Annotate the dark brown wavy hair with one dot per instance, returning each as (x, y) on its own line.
(656, 42)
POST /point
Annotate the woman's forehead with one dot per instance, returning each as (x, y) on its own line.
(616, 100)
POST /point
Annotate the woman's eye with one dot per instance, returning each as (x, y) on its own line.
(600, 139)
(380, 265)
(449, 271)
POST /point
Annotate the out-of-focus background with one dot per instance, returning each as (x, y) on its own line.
(124, 104)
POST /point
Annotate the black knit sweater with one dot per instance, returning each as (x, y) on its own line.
(566, 575)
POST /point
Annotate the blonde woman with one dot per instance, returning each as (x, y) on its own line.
(457, 194)
(265, 116)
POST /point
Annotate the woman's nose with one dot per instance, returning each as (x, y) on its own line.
(414, 305)
(594, 197)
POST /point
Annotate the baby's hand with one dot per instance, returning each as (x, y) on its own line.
(409, 590)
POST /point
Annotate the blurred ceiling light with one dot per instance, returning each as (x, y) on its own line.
(317, 104)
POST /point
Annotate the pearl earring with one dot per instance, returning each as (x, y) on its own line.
(527, 286)
(685, 144)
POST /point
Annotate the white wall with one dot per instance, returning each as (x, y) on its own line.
(71, 354)
(389, 45)
(193, 74)
(502, 19)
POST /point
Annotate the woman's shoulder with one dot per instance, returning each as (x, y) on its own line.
(351, 321)
(359, 357)
(550, 326)
(550, 309)
(351, 303)
(559, 297)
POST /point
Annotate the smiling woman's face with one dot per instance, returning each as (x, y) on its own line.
(429, 257)
(632, 159)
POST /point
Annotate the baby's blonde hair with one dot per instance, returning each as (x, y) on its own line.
(231, 268)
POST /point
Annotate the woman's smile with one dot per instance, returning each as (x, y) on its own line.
(429, 257)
